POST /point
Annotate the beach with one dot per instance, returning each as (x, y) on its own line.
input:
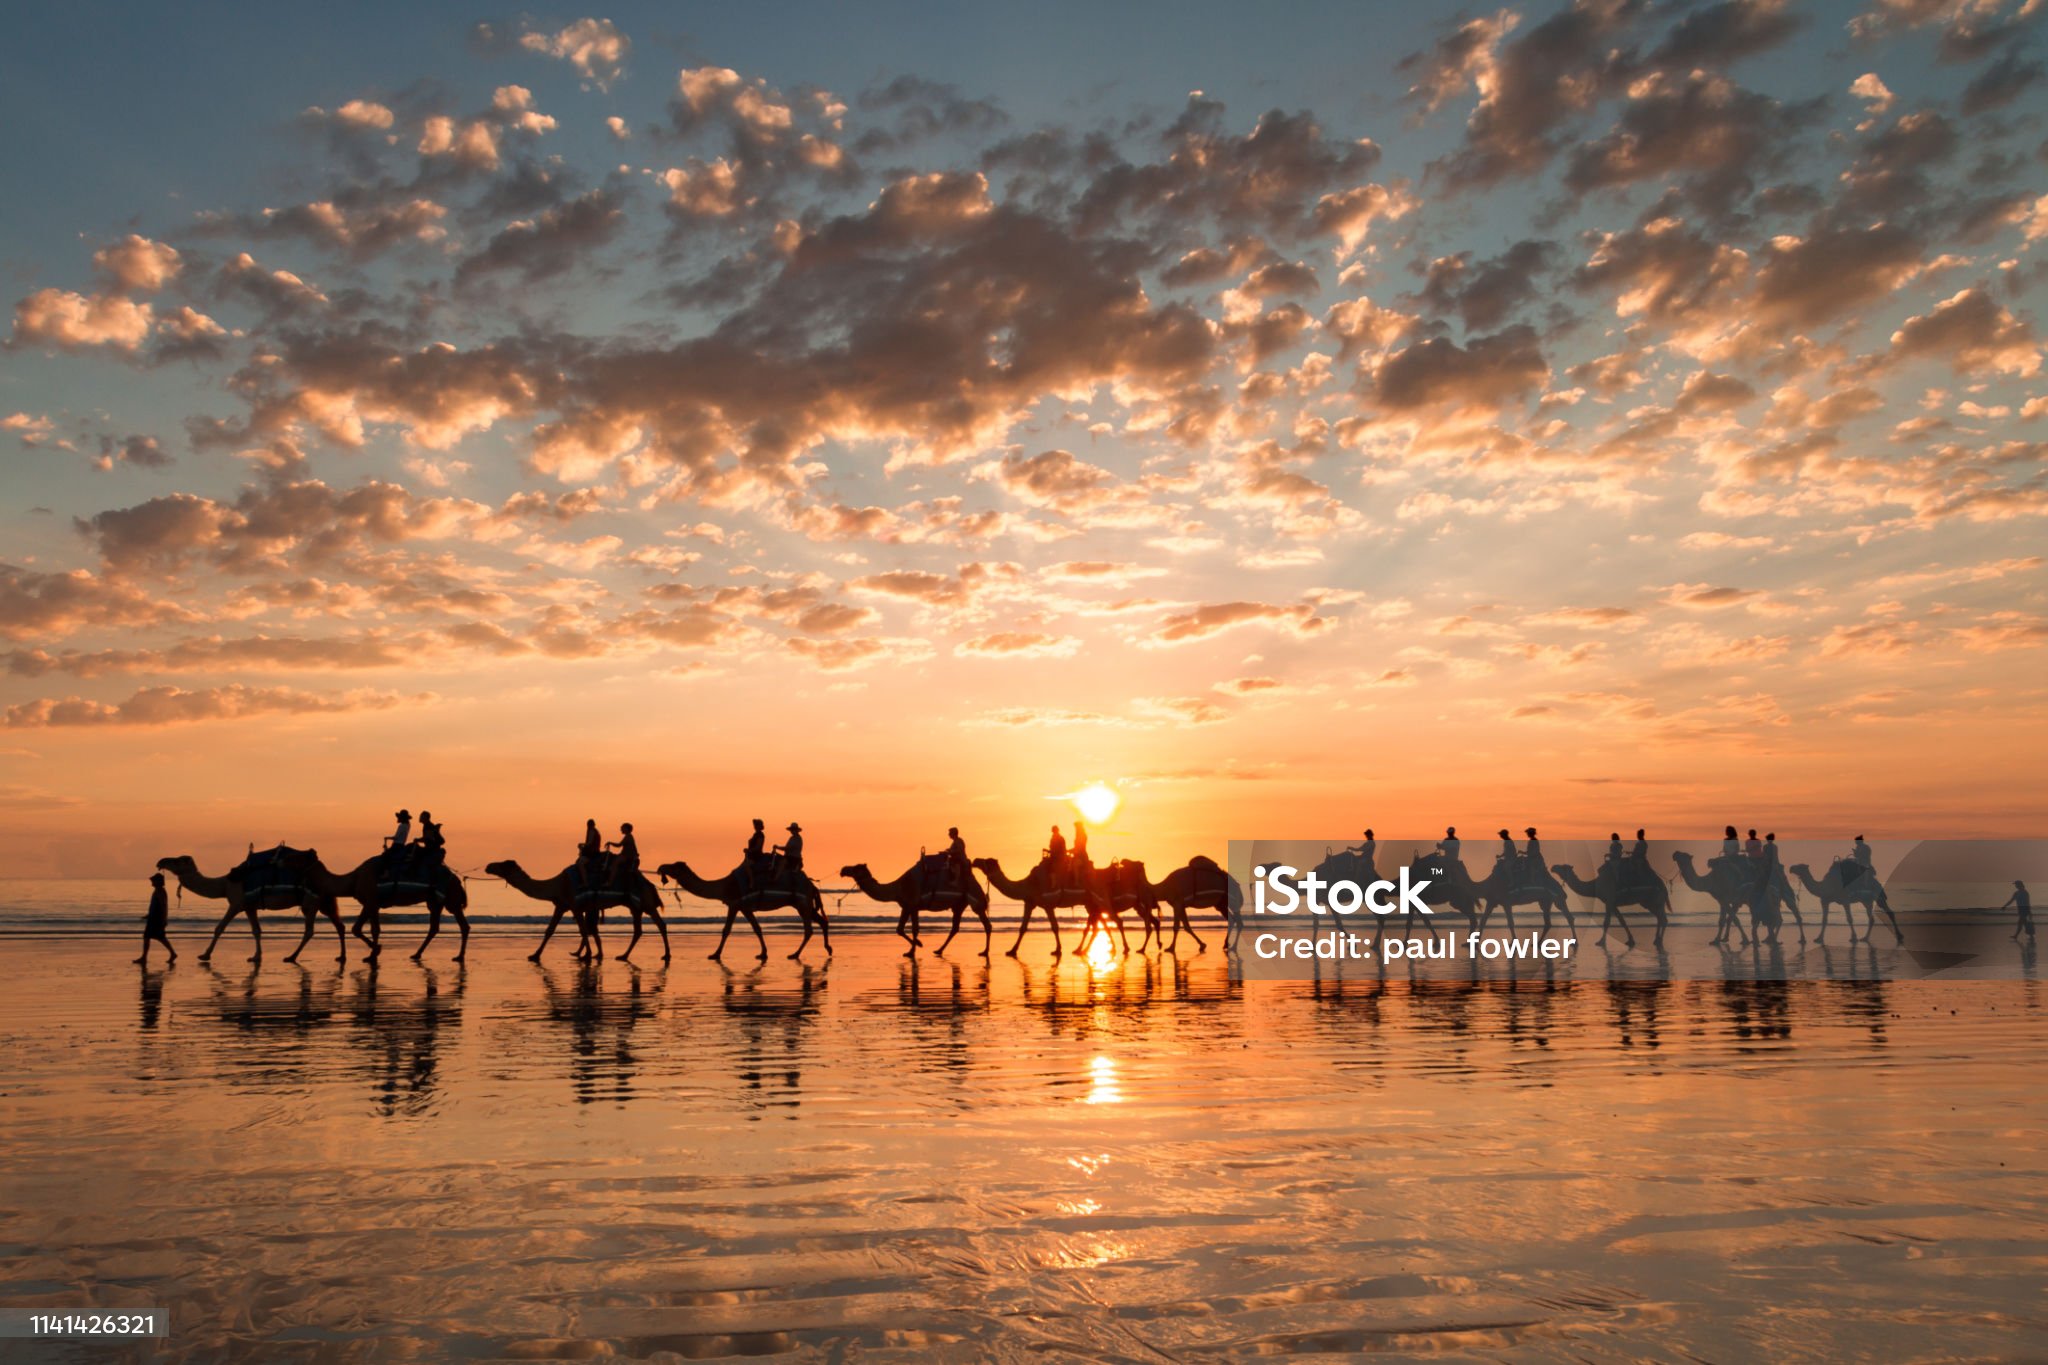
(1141, 1158)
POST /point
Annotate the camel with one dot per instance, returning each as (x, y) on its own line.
(1128, 888)
(1202, 884)
(1864, 890)
(373, 888)
(1613, 891)
(309, 900)
(1731, 892)
(1455, 889)
(568, 894)
(742, 893)
(912, 894)
(1040, 891)
(1505, 887)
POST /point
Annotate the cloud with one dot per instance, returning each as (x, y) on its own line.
(595, 47)
(1483, 375)
(551, 244)
(1205, 622)
(1012, 644)
(1973, 333)
(138, 265)
(66, 321)
(176, 705)
(42, 606)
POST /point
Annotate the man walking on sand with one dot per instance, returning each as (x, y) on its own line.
(156, 921)
(2018, 899)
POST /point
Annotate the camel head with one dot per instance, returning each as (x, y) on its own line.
(669, 872)
(1681, 857)
(503, 868)
(179, 865)
(855, 870)
(985, 865)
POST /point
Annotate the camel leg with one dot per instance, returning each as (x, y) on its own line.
(461, 923)
(661, 926)
(1022, 925)
(312, 916)
(1123, 937)
(759, 938)
(958, 911)
(803, 912)
(627, 956)
(731, 913)
(1054, 921)
(433, 928)
(988, 930)
(256, 932)
(1798, 919)
(549, 932)
(915, 938)
(824, 924)
(1884, 906)
(219, 929)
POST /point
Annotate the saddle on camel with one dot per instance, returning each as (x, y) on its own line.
(282, 868)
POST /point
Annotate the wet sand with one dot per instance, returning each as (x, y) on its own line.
(1141, 1160)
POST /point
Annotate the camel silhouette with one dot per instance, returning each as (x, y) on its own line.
(1613, 891)
(1041, 890)
(917, 891)
(571, 894)
(373, 885)
(743, 893)
(1844, 886)
(308, 899)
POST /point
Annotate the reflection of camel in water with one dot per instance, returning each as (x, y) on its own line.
(567, 893)
(1201, 885)
(308, 900)
(919, 890)
(1613, 891)
(742, 893)
(1041, 890)
(1864, 890)
(369, 887)
(1733, 892)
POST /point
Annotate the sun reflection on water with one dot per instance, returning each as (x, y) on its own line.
(1102, 1082)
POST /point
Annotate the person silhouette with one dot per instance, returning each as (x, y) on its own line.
(626, 864)
(1532, 858)
(1056, 848)
(2019, 900)
(400, 837)
(1080, 843)
(1450, 844)
(956, 854)
(757, 844)
(157, 919)
(431, 839)
(1865, 864)
(1507, 849)
(792, 850)
(1614, 850)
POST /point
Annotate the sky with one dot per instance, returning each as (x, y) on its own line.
(1301, 418)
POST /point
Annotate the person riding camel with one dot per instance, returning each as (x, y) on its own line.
(1449, 845)
(1753, 849)
(1731, 851)
(1077, 858)
(757, 843)
(1614, 850)
(1864, 863)
(1641, 852)
(400, 837)
(1507, 850)
(1056, 850)
(1366, 849)
(626, 863)
(1532, 858)
(791, 851)
(956, 856)
(432, 840)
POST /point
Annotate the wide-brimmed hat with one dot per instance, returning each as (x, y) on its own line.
(795, 828)
(1531, 831)
(405, 815)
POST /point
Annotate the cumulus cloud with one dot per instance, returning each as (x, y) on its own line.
(177, 705)
(595, 47)
(63, 320)
(1204, 622)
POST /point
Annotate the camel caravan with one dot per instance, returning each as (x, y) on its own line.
(606, 876)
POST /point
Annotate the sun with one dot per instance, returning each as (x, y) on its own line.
(1096, 802)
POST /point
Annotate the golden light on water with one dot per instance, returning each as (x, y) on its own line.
(1096, 803)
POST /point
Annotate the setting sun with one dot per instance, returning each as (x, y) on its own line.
(1096, 802)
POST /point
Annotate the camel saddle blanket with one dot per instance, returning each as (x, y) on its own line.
(411, 866)
(272, 869)
(939, 880)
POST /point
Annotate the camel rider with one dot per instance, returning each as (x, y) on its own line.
(1614, 849)
(956, 856)
(1080, 843)
(400, 837)
(757, 844)
(1056, 849)
(1367, 849)
(1865, 866)
(2019, 900)
(1754, 849)
(626, 865)
(1731, 851)
(431, 839)
(1641, 852)
(792, 851)
(1507, 850)
(1532, 864)
(1449, 845)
